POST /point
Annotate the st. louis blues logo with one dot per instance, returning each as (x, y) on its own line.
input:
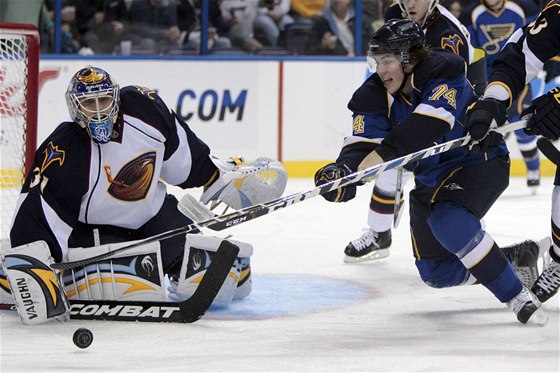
(52, 154)
(43, 275)
(451, 42)
(133, 181)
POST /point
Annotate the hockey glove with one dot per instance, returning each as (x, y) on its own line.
(482, 119)
(331, 172)
(546, 115)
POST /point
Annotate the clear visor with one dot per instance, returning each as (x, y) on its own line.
(382, 60)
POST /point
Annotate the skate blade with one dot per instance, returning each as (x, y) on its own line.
(374, 255)
(539, 318)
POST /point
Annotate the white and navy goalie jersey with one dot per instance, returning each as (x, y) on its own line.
(118, 183)
(395, 126)
(525, 53)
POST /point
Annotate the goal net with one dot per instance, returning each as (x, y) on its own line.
(19, 72)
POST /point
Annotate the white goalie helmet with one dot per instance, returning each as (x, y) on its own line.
(243, 184)
(93, 100)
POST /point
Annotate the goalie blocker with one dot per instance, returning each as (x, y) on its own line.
(130, 286)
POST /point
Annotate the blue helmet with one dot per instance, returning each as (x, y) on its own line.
(93, 101)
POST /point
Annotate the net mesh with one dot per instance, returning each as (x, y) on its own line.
(14, 73)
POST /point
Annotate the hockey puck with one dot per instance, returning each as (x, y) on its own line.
(83, 338)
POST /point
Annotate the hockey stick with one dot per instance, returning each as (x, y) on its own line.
(397, 212)
(187, 311)
(241, 216)
(549, 150)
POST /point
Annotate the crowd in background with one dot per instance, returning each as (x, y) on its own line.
(305, 27)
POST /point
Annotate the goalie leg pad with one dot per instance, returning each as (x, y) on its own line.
(199, 251)
(36, 288)
(6, 296)
(135, 274)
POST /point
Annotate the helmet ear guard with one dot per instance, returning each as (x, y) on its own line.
(93, 100)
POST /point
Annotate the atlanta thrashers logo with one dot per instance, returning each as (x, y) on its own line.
(133, 181)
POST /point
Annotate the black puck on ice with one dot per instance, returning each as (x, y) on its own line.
(82, 338)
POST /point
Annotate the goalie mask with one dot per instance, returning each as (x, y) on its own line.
(93, 102)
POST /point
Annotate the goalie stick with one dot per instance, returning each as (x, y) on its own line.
(187, 311)
(222, 222)
(549, 150)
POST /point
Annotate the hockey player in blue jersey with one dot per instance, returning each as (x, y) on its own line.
(442, 30)
(519, 62)
(490, 24)
(418, 96)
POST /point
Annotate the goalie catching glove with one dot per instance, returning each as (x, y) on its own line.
(546, 115)
(332, 172)
(242, 184)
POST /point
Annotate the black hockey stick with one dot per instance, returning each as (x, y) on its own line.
(549, 150)
(241, 216)
(187, 311)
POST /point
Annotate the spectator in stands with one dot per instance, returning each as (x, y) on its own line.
(241, 15)
(107, 26)
(189, 22)
(303, 11)
(272, 19)
(454, 7)
(153, 24)
(332, 32)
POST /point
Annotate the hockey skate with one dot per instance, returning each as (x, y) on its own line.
(533, 178)
(524, 257)
(369, 246)
(549, 281)
(526, 308)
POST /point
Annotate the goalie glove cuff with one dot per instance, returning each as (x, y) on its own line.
(242, 184)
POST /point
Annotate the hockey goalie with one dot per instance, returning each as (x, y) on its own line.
(98, 184)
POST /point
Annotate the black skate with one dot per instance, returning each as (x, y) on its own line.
(549, 281)
(524, 256)
(527, 308)
(369, 246)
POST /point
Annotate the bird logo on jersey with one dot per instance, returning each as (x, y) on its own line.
(52, 154)
(452, 42)
(133, 181)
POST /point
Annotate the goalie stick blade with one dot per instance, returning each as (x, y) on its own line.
(549, 150)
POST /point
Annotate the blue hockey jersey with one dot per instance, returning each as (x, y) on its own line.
(395, 126)
(490, 29)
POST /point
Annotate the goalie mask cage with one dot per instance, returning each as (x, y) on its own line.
(19, 73)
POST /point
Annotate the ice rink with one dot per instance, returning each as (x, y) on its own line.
(311, 312)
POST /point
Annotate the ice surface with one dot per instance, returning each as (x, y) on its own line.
(311, 312)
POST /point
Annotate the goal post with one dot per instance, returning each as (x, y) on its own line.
(19, 80)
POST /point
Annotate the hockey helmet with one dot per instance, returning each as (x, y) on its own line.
(397, 36)
(93, 101)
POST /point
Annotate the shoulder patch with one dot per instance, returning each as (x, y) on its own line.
(52, 154)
